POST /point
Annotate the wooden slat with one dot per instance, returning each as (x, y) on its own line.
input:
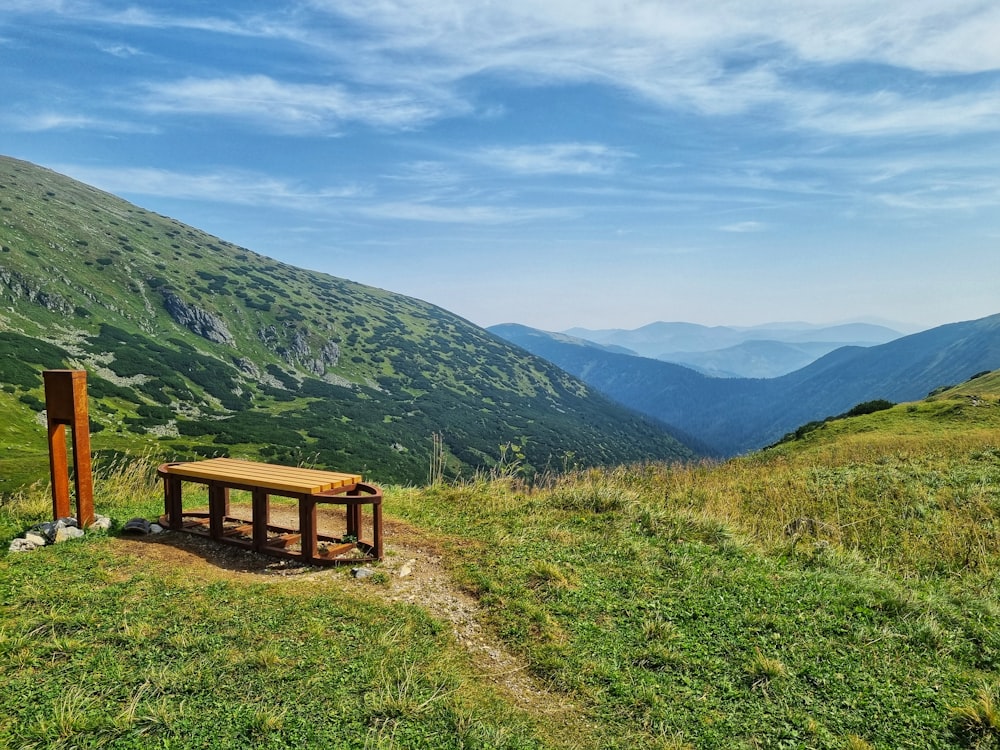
(269, 476)
(306, 481)
(285, 540)
(332, 552)
(264, 473)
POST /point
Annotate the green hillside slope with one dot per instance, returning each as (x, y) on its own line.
(838, 591)
(198, 347)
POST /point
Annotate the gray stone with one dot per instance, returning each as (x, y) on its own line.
(155, 528)
(101, 523)
(195, 319)
(47, 530)
(66, 533)
(362, 572)
(406, 568)
(22, 545)
(37, 539)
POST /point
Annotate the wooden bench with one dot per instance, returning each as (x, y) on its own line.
(309, 486)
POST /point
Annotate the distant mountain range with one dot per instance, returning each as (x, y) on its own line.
(735, 415)
(764, 351)
(197, 347)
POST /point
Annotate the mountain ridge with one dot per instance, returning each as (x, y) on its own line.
(196, 346)
(740, 414)
(765, 350)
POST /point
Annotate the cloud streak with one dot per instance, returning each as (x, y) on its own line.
(402, 64)
(553, 159)
(56, 121)
(471, 214)
(711, 58)
(230, 186)
(288, 107)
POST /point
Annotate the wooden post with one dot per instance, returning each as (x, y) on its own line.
(66, 404)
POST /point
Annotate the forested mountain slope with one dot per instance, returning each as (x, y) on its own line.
(734, 415)
(198, 347)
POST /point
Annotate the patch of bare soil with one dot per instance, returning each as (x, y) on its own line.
(415, 565)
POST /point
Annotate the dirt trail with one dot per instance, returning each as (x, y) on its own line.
(414, 563)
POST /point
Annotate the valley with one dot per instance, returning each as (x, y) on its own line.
(801, 561)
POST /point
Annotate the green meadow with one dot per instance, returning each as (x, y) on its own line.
(835, 591)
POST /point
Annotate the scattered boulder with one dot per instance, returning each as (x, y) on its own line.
(36, 539)
(22, 545)
(65, 533)
(46, 530)
(362, 572)
(101, 523)
(56, 532)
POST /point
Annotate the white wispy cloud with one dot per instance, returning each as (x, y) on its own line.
(405, 63)
(553, 158)
(43, 121)
(419, 211)
(426, 172)
(120, 50)
(294, 107)
(228, 186)
(744, 226)
(944, 197)
(712, 58)
(275, 25)
(254, 189)
(889, 113)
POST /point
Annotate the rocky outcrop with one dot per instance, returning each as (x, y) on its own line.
(298, 351)
(247, 367)
(21, 287)
(196, 320)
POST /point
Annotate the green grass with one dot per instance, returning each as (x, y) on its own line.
(674, 606)
(119, 654)
(671, 623)
(100, 648)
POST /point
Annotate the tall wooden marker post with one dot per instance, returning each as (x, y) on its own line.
(66, 404)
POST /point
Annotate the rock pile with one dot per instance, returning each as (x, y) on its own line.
(55, 532)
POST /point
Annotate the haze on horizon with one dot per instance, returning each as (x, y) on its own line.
(555, 164)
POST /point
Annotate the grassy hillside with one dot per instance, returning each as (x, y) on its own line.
(837, 591)
(197, 347)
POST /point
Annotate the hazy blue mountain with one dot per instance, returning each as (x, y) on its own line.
(731, 351)
(752, 359)
(734, 415)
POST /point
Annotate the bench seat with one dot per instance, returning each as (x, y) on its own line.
(309, 487)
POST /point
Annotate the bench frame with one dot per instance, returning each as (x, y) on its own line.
(223, 475)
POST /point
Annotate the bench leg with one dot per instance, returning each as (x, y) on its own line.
(377, 529)
(261, 518)
(218, 508)
(307, 528)
(172, 501)
(354, 520)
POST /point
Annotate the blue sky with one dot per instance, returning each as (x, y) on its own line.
(556, 163)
